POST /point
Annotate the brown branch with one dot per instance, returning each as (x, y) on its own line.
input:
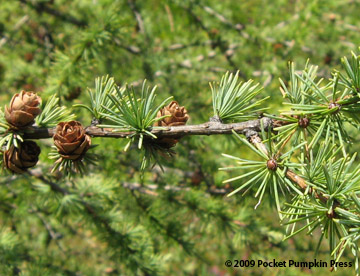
(296, 179)
(209, 128)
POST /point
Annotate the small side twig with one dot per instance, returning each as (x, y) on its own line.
(255, 139)
(139, 20)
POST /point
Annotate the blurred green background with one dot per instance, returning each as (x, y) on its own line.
(60, 47)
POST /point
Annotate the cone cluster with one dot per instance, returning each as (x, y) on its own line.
(70, 138)
(21, 113)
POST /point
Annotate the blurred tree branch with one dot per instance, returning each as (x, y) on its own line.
(43, 7)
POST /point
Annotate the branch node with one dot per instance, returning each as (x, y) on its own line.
(215, 119)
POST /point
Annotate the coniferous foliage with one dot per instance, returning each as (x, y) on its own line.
(111, 139)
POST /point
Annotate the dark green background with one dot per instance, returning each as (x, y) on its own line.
(61, 46)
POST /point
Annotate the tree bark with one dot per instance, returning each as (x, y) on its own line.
(209, 128)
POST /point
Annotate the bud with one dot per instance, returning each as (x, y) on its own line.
(178, 115)
(334, 105)
(304, 122)
(71, 141)
(23, 109)
(18, 160)
(271, 164)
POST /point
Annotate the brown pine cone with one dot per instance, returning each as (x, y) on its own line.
(18, 160)
(178, 116)
(71, 141)
(23, 109)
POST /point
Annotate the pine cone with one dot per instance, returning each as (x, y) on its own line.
(178, 115)
(23, 109)
(71, 140)
(18, 160)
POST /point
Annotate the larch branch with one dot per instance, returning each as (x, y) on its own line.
(209, 128)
